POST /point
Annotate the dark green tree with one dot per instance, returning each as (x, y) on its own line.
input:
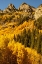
(38, 23)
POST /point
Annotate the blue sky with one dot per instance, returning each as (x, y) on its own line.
(17, 3)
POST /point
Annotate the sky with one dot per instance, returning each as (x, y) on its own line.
(17, 3)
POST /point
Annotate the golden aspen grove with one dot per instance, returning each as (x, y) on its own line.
(20, 38)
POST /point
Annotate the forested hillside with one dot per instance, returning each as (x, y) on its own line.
(20, 35)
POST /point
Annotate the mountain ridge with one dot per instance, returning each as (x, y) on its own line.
(17, 8)
(33, 12)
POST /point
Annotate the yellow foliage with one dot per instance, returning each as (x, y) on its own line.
(26, 25)
(19, 50)
(34, 56)
(40, 31)
(24, 55)
(20, 53)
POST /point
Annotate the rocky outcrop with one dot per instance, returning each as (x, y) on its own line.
(32, 11)
(38, 12)
(26, 8)
(10, 8)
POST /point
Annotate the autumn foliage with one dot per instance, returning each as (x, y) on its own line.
(12, 52)
(20, 39)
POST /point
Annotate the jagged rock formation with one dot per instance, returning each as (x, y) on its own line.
(26, 8)
(33, 12)
(38, 12)
(10, 8)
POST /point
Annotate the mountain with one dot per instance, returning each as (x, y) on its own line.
(10, 8)
(33, 12)
(13, 17)
(21, 35)
(27, 8)
(18, 16)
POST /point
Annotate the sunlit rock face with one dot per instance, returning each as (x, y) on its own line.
(26, 8)
(38, 12)
(10, 8)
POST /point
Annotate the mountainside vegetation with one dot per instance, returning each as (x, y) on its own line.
(20, 36)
